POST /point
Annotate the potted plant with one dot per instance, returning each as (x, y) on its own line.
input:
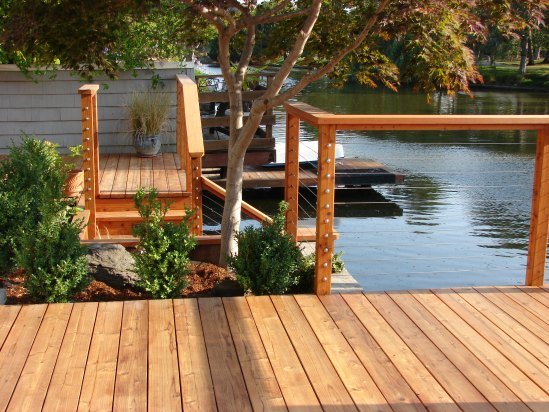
(147, 116)
(74, 184)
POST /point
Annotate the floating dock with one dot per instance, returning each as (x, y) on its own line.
(349, 172)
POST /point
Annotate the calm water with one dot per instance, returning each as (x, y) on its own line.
(462, 215)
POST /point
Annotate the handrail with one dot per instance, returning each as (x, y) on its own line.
(190, 145)
(246, 207)
(189, 109)
(317, 117)
(329, 123)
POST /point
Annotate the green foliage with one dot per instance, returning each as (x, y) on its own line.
(31, 177)
(36, 232)
(98, 35)
(268, 260)
(163, 256)
(52, 257)
(307, 270)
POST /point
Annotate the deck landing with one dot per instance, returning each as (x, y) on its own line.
(480, 349)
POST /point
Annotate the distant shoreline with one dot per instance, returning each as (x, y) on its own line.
(476, 86)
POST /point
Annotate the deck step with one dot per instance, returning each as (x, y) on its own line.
(133, 216)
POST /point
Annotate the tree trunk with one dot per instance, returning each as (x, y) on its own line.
(230, 223)
(523, 53)
(530, 51)
(546, 58)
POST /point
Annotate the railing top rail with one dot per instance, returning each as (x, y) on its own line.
(191, 121)
(88, 89)
(319, 117)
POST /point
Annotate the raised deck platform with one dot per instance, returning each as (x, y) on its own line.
(349, 172)
(480, 349)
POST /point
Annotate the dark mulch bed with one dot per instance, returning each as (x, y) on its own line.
(202, 279)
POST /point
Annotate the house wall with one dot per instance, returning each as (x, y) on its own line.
(49, 108)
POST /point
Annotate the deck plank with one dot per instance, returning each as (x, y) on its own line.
(365, 386)
(146, 172)
(263, 389)
(159, 174)
(134, 176)
(537, 293)
(130, 393)
(31, 389)
(16, 349)
(66, 382)
(229, 386)
(99, 377)
(194, 369)
(431, 393)
(531, 394)
(536, 370)
(292, 379)
(120, 181)
(515, 310)
(109, 172)
(536, 346)
(102, 163)
(441, 341)
(331, 392)
(9, 314)
(164, 390)
(536, 308)
(174, 185)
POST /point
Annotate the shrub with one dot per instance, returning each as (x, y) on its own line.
(307, 270)
(32, 176)
(268, 260)
(52, 257)
(163, 255)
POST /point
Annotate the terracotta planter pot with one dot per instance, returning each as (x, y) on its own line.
(74, 186)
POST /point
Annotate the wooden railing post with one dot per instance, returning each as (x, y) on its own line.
(325, 209)
(88, 102)
(291, 186)
(539, 218)
(196, 196)
(180, 135)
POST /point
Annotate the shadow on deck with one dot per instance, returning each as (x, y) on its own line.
(468, 349)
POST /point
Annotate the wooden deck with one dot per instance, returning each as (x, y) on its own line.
(120, 175)
(480, 349)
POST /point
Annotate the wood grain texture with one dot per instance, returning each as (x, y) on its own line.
(100, 374)
(33, 383)
(230, 389)
(130, 393)
(194, 369)
(66, 382)
(294, 384)
(260, 380)
(163, 386)
(16, 349)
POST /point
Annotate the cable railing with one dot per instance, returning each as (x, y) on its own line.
(327, 125)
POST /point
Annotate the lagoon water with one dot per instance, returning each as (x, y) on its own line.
(462, 215)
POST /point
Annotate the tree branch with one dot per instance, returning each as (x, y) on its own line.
(328, 67)
(217, 15)
(280, 17)
(246, 54)
(268, 14)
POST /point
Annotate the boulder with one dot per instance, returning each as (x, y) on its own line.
(112, 264)
(228, 287)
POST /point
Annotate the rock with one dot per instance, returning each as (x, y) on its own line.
(112, 264)
(228, 287)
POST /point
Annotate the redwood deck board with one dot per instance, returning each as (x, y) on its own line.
(440, 350)
(121, 175)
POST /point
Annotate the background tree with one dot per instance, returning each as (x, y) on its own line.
(337, 37)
